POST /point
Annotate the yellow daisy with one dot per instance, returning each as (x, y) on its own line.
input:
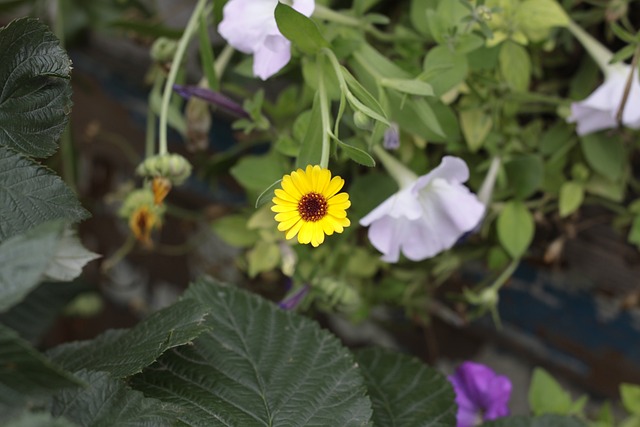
(310, 206)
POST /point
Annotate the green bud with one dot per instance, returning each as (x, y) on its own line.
(163, 49)
(484, 13)
(361, 120)
(137, 199)
(173, 167)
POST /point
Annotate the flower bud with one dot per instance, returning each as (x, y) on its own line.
(163, 49)
(361, 120)
(142, 214)
(175, 168)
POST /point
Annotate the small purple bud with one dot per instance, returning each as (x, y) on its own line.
(391, 139)
(292, 301)
(211, 97)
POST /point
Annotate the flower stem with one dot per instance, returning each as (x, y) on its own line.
(627, 86)
(192, 25)
(326, 121)
(398, 171)
(322, 12)
(598, 52)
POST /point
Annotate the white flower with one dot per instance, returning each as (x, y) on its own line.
(599, 111)
(428, 215)
(250, 26)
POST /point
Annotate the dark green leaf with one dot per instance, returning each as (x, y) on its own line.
(126, 352)
(25, 370)
(31, 194)
(35, 94)
(605, 155)
(356, 154)
(259, 365)
(256, 173)
(362, 100)
(622, 34)
(444, 69)
(36, 313)
(109, 402)
(515, 228)
(405, 392)
(623, 54)
(267, 194)
(543, 421)
(23, 261)
(299, 29)
(525, 174)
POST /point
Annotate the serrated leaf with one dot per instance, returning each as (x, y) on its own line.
(515, 65)
(26, 371)
(36, 313)
(515, 228)
(405, 392)
(571, 197)
(299, 29)
(24, 260)
(109, 402)
(258, 366)
(126, 352)
(35, 93)
(31, 194)
(543, 421)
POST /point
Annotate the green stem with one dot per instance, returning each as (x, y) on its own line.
(398, 171)
(322, 12)
(150, 136)
(192, 25)
(598, 52)
(326, 120)
(223, 60)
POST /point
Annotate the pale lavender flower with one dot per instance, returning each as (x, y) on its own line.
(391, 140)
(429, 213)
(481, 394)
(599, 111)
(250, 26)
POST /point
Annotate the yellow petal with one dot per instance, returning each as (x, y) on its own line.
(323, 180)
(283, 195)
(290, 188)
(334, 186)
(285, 225)
(326, 226)
(300, 180)
(336, 212)
(306, 233)
(318, 235)
(294, 230)
(342, 206)
(286, 216)
(338, 198)
(289, 207)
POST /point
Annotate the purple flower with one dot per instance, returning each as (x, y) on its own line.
(211, 97)
(429, 213)
(391, 139)
(250, 26)
(481, 394)
(292, 300)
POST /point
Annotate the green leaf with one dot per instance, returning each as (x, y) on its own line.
(311, 146)
(233, 230)
(31, 194)
(69, 258)
(634, 231)
(444, 69)
(35, 94)
(630, 394)
(260, 365)
(126, 352)
(38, 419)
(356, 154)
(515, 228)
(476, 125)
(410, 86)
(525, 174)
(515, 65)
(536, 17)
(361, 100)
(543, 421)
(264, 256)
(267, 194)
(546, 396)
(33, 317)
(109, 402)
(26, 371)
(299, 29)
(571, 197)
(605, 155)
(623, 54)
(405, 392)
(255, 173)
(24, 260)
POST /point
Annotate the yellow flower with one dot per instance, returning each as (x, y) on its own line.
(309, 205)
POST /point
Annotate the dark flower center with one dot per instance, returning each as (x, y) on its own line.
(312, 207)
